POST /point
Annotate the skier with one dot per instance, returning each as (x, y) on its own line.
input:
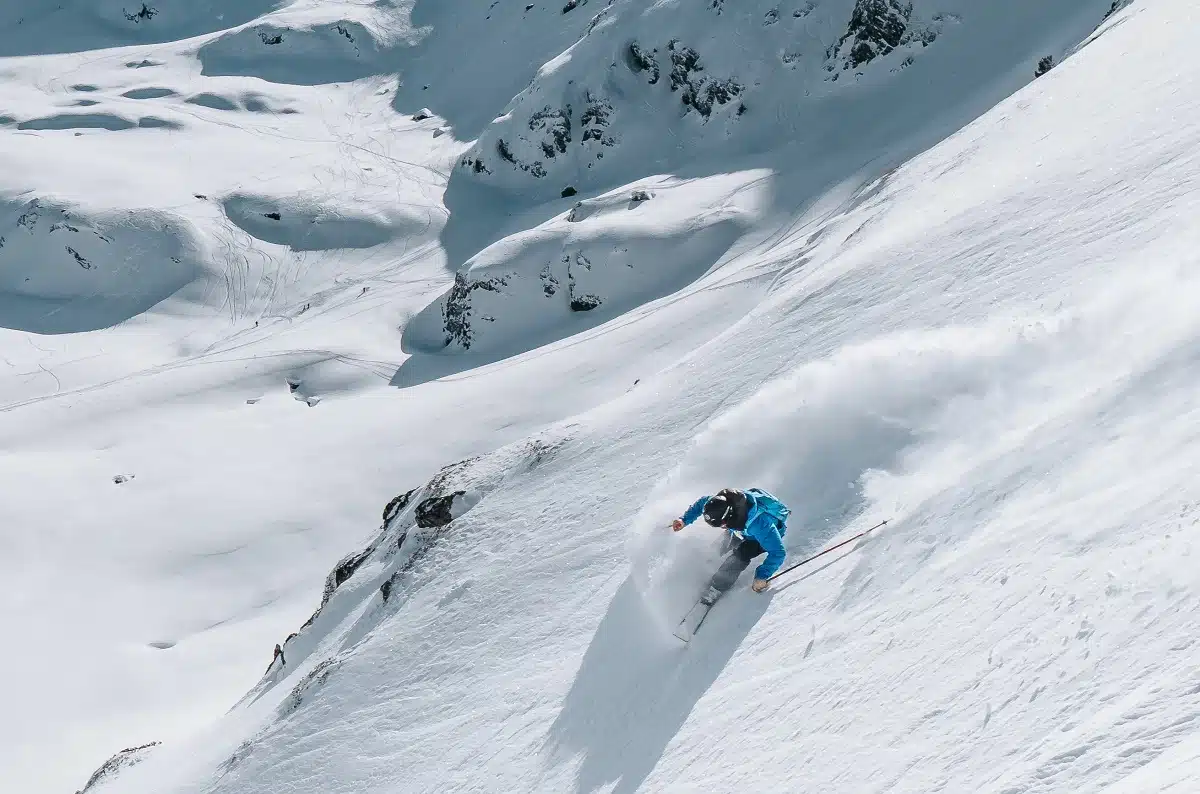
(756, 523)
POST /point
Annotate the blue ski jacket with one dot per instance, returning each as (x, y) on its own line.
(761, 525)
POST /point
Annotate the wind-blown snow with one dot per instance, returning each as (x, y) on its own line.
(244, 308)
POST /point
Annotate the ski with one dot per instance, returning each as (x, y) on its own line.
(692, 621)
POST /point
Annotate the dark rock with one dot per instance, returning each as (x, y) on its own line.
(144, 15)
(436, 510)
(476, 165)
(595, 119)
(79, 260)
(639, 60)
(1044, 65)
(346, 568)
(385, 589)
(270, 39)
(556, 122)
(926, 35)
(876, 28)
(710, 93)
(393, 508)
(568, 191)
(342, 572)
(456, 312)
(699, 92)
(122, 478)
(578, 303)
(640, 196)
(422, 114)
(272, 215)
(1116, 6)
(122, 760)
(549, 282)
(684, 61)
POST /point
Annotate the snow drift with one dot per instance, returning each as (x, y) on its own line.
(64, 269)
(305, 224)
(602, 258)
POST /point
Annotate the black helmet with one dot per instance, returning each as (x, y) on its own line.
(717, 510)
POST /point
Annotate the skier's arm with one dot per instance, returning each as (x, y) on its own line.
(767, 534)
(695, 510)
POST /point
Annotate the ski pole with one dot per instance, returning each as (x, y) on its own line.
(826, 551)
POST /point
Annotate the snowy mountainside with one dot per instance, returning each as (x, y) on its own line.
(595, 261)
(666, 84)
(69, 291)
(307, 298)
(662, 88)
(81, 25)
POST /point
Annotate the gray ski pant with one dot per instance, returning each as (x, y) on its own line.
(744, 550)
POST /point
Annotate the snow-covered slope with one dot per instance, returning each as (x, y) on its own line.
(631, 253)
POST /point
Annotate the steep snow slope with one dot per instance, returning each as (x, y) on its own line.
(699, 92)
(992, 343)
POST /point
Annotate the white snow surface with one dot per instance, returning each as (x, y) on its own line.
(933, 290)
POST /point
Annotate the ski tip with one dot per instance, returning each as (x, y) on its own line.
(684, 634)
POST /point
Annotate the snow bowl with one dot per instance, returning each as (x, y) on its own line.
(606, 256)
(334, 52)
(305, 224)
(63, 270)
(539, 291)
(80, 25)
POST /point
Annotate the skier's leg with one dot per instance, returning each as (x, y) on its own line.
(734, 564)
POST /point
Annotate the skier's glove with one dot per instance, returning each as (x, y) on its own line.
(677, 524)
(760, 585)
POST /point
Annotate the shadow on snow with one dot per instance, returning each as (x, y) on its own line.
(638, 684)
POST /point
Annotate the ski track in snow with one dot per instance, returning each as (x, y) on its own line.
(696, 246)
